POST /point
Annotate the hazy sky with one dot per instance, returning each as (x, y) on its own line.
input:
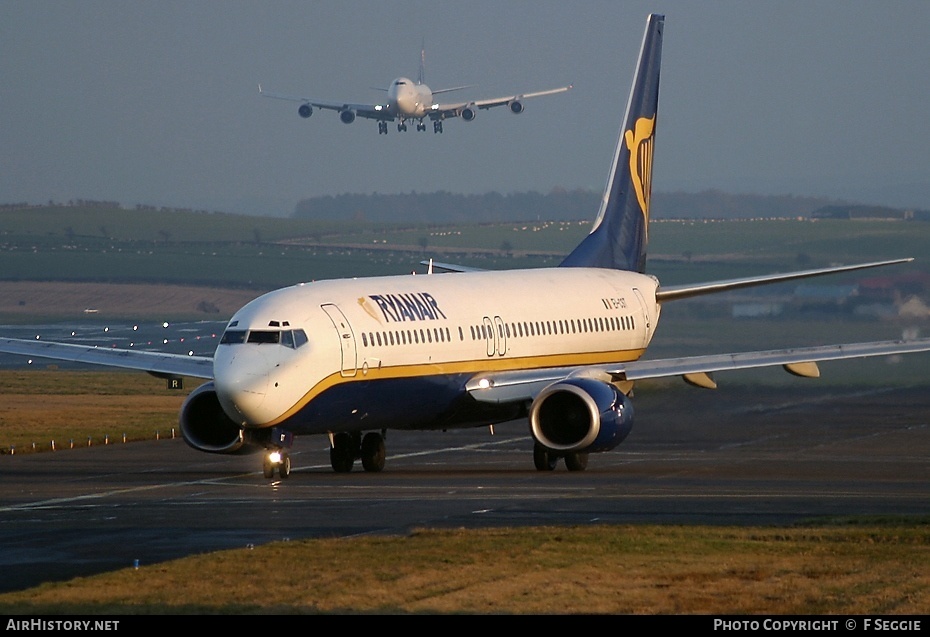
(156, 102)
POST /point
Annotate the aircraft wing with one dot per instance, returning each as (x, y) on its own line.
(157, 363)
(371, 111)
(524, 385)
(442, 111)
(449, 267)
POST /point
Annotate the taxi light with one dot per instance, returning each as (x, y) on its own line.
(275, 457)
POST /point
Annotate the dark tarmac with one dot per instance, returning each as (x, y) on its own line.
(734, 456)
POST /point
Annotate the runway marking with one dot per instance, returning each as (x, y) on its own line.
(53, 502)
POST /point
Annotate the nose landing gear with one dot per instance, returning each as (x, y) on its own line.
(279, 460)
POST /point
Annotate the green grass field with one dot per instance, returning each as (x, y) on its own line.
(67, 243)
(846, 567)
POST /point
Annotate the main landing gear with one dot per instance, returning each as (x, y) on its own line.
(346, 448)
(546, 460)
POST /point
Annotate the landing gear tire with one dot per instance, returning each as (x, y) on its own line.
(343, 452)
(267, 467)
(576, 461)
(544, 459)
(282, 464)
(373, 452)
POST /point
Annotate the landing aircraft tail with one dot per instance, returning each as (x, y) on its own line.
(620, 234)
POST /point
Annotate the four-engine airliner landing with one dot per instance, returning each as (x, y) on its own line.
(561, 347)
(412, 101)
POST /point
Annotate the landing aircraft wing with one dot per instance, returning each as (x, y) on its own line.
(443, 111)
(157, 363)
(504, 387)
(371, 111)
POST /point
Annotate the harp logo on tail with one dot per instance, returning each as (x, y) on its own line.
(639, 142)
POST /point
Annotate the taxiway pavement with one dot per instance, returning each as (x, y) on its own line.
(735, 456)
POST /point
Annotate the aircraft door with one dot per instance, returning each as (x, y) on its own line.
(346, 339)
(495, 335)
(500, 332)
(489, 336)
(643, 316)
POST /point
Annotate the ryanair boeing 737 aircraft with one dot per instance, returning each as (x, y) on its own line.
(559, 346)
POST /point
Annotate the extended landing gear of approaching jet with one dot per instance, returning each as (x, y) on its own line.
(437, 126)
(276, 459)
(347, 447)
(382, 128)
(546, 460)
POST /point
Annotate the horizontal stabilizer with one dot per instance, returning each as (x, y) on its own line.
(675, 292)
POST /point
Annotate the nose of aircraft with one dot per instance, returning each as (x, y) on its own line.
(241, 377)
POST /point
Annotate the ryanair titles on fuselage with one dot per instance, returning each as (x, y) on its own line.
(417, 306)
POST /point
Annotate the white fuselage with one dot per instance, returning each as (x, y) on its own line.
(361, 332)
(410, 99)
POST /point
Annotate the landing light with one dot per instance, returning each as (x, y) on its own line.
(275, 457)
(484, 383)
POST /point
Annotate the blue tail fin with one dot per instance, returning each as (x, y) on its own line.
(621, 230)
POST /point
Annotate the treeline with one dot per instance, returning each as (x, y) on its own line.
(561, 205)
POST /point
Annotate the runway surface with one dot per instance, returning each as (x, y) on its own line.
(735, 456)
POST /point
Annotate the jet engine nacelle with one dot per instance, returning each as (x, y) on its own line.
(206, 427)
(469, 113)
(305, 111)
(347, 116)
(581, 415)
(515, 106)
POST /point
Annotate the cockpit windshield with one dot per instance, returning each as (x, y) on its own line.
(288, 338)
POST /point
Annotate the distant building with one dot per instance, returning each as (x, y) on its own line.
(869, 213)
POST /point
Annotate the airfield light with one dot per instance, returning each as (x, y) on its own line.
(165, 341)
(190, 352)
(135, 328)
(165, 324)
(37, 337)
(106, 329)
